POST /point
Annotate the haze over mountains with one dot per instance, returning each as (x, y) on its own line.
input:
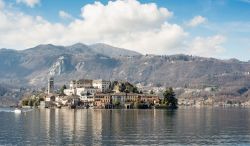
(33, 66)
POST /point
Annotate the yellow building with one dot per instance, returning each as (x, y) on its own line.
(103, 100)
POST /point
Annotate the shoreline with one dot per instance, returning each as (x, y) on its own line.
(179, 107)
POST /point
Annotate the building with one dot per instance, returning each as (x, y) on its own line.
(86, 91)
(80, 83)
(85, 86)
(74, 102)
(70, 92)
(79, 86)
(86, 95)
(49, 100)
(126, 100)
(102, 100)
(149, 99)
(42, 104)
(50, 85)
(102, 85)
(123, 98)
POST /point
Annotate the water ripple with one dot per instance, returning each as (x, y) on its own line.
(126, 127)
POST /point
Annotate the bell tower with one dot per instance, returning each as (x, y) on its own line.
(50, 85)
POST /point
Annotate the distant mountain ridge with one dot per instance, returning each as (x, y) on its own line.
(31, 67)
(108, 50)
(99, 48)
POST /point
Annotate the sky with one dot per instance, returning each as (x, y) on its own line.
(207, 28)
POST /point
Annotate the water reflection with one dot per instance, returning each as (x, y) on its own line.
(203, 126)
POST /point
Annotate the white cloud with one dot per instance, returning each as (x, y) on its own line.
(64, 15)
(21, 31)
(123, 23)
(207, 47)
(167, 39)
(2, 4)
(118, 23)
(197, 20)
(30, 3)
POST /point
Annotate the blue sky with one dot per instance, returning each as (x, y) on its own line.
(209, 28)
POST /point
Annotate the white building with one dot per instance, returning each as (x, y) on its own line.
(86, 91)
(75, 87)
(87, 88)
(102, 85)
(70, 91)
(87, 94)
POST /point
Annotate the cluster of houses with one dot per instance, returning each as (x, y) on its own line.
(87, 93)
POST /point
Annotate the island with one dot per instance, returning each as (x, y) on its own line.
(99, 94)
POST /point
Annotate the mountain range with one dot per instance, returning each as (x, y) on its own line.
(33, 66)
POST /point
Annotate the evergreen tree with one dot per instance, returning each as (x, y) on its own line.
(135, 90)
(169, 98)
(30, 103)
(62, 89)
(122, 87)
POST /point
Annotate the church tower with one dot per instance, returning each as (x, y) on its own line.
(50, 85)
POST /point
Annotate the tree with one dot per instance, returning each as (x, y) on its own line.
(122, 87)
(30, 103)
(62, 89)
(135, 90)
(126, 90)
(151, 92)
(36, 103)
(169, 98)
(117, 103)
(25, 102)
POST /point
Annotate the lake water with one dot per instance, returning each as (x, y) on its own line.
(185, 126)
